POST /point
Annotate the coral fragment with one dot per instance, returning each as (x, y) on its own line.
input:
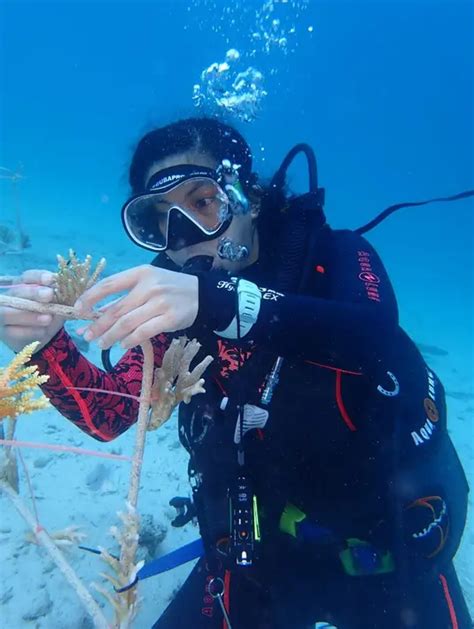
(18, 384)
(74, 277)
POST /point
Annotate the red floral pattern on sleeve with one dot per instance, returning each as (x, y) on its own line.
(230, 357)
(101, 415)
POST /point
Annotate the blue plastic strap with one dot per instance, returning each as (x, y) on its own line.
(171, 560)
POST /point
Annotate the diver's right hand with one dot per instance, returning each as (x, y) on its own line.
(20, 327)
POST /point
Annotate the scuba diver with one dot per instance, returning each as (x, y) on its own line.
(325, 485)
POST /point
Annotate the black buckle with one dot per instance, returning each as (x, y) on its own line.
(185, 508)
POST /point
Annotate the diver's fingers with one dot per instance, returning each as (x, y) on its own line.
(111, 327)
(38, 276)
(148, 330)
(35, 292)
(109, 304)
(19, 333)
(101, 310)
(125, 280)
(16, 317)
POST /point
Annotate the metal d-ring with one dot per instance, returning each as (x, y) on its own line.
(218, 594)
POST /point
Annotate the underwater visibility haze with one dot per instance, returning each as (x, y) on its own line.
(383, 93)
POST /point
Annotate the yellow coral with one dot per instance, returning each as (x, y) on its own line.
(74, 277)
(18, 383)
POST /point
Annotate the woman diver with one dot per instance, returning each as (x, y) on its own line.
(322, 430)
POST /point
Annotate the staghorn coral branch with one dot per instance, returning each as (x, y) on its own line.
(33, 306)
(18, 384)
(142, 422)
(175, 368)
(65, 538)
(74, 277)
(125, 568)
(8, 458)
(174, 383)
(57, 556)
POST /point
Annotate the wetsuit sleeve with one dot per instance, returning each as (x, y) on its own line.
(358, 313)
(103, 415)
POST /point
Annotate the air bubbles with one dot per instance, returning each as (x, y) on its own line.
(232, 55)
(224, 87)
(275, 29)
(229, 86)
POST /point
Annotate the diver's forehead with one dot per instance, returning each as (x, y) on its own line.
(187, 158)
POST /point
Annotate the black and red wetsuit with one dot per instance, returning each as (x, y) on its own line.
(356, 439)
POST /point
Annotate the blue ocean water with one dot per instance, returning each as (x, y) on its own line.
(383, 91)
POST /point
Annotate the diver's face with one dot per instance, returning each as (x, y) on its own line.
(241, 231)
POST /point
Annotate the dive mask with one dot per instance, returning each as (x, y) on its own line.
(183, 205)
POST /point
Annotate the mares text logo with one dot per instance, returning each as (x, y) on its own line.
(368, 277)
(423, 434)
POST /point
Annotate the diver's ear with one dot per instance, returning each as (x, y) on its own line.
(255, 209)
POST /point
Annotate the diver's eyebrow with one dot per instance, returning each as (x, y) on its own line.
(196, 187)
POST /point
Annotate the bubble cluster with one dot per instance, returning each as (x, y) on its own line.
(224, 87)
(276, 26)
(228, 87)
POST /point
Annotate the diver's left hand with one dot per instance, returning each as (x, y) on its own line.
(157, 301)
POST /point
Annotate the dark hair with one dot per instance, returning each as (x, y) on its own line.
(204, 135)
(219, 140)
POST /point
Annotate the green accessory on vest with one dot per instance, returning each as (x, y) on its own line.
(290, 517)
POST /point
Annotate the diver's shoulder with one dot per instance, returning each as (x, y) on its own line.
(349, 241)
(344, 234)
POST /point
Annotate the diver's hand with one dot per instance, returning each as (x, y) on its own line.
(157, 301)
(19, 327)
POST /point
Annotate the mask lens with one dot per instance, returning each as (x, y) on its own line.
(144, 224)
(199, 203)
(203, 200)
